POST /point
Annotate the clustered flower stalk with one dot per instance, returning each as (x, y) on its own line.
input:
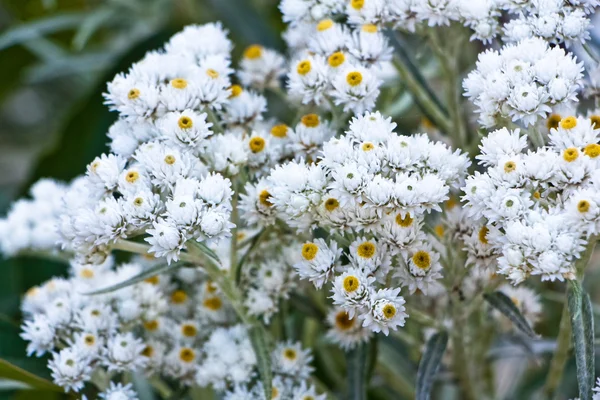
(259, 245)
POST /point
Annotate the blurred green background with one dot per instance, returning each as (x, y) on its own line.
(55, 59)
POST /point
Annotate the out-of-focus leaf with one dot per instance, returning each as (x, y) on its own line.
(12, 372)
(263, 356)
(356, 360)
(142, 386)
(582, 323)
(35, 29)
(505, 305)
(91, 24)
(244, 20)
(430, 362)
(70, 66)
(150, 272)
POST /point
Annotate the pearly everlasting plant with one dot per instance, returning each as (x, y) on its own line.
(225, 247)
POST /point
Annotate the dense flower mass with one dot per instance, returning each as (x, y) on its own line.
(253, 217)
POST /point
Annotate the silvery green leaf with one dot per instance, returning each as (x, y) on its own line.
(429, 365)
(505, 305)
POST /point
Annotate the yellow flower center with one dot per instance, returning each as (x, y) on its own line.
(422, 259)
(324, 25)
(366, 250)
(212, 73)
(336, 59)
(389, 311)
(568, 123)
(138, 201)
(367, 146)
(583, 206)
(211, 287)
(290, 354)
(510, 166)
(170, 159)
(331, 204)
(87, 273)
(133, 94)
(571, 154)
(263, 198)
(303, 67)
(179, 83)
(185, 122)
(253, 52)
(354, 78)
(357, 4)
(153, 280)
(309, 251)
(439, 230)
(89, 340)
(257, 144)
(274, 393)
(451, 203)
(483, 234)
(213, 303)
(151, 325)
(310, 120)
(343, 321)
(351, 283)
(148, 351)
(595, 121)
(553, 121)
(404, 222)
(179, 297)
(189, 330)
(592, 150)
(236, 90)
(369, 28)
(132, 176)
(187, 355)
(279, 131)
(537, 195)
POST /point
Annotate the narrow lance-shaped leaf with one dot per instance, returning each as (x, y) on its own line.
(506, 306)
(582, 323)
(429, 365)
(356, 360)
(263, 357)
(14, 373)
(150, 272)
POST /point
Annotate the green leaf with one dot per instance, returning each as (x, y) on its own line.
(430, 362)
(35, 29)
(263, 355)
(12, 372)
(505, 305)
(150, 272)
(582, 323)
(208, 251)
(91, 24)
(356, 361)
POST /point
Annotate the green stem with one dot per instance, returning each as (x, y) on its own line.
(212, 117)
(422, 97)
(422, 318)
(561, 353)
(460, 362)
(233, 246)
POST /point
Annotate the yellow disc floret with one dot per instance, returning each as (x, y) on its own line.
(336, 59)
(389, 311)
(213, 303)
(303, 67)
(483, 234)
(290, 354)
(256, 144)
(325, 24)
(212, 73)
(279, 131)
(263, 198)
(185, 122)
(179, 83)
(310, 120)
(179, 297)
(343, 321)
(553, 121)
(568, 123)
(369, 28)
(357, 4)
(331, 204)
(170, 159)
(151, 325)
(422, 259)
(354, 78)
(236, 90)
(133, 94)
(571, 154)
(187, 355)
(132, 176)
(253, 52)
(366, 250)
(367, 146)
(189, 330)
(404, 222)
(583, 206)
(351, 283)
(595, 121)
(510, 166)
(309, 251)
(592, 150)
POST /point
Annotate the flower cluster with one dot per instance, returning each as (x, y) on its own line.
(539, 206)
(523, 82)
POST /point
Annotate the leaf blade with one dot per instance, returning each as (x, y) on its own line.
(429, 365)
(150, 272)
(582, 324)
(356, 360)
(14, 373)
(263, 357)
(505, 305)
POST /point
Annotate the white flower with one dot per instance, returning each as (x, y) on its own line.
(386, 311)
(318, 261)
(69, 369)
